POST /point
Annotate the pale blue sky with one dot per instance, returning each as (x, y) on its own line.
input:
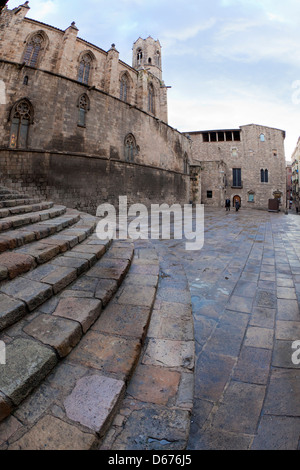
(229, 62)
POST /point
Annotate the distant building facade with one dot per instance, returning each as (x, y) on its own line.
(245, 165)
(295, 176)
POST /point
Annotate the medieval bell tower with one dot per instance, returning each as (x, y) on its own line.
(147, 55)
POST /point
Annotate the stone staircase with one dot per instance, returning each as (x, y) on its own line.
(74, 314)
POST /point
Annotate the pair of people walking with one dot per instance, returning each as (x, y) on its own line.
(236, 205)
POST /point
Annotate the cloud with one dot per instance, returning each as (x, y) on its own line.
(189, 32)
(234, 104)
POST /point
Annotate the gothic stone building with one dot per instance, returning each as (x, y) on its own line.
(80, 126)
(245, 164)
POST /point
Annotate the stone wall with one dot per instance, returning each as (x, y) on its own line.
(83, 182)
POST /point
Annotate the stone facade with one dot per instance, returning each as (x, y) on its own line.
(247, 164)
(78, 124)
(295, 176)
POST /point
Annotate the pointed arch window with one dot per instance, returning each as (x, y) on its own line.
(84, 106)
(21, 118)
(84, 70)
(33, 49)
(124, 85)
(158, 58)
(130, 148)
(264, 176)
(151, 99)
(139, 56)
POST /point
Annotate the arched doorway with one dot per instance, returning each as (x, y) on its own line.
(236, 198)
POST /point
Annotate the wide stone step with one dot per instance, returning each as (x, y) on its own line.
(38, 342)
(17, 202)
(16, 221)
(13, 195)
(28, 291)
(12, 239)
(24, 209)
(20, 260)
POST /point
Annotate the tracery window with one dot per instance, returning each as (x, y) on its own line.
(84, 106)
(85, 69)
(130, 148)
(21, 118)
(151, 99)
(33, 49)
(124, 87)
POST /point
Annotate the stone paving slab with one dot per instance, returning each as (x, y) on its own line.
(26, 363)
(155, 414)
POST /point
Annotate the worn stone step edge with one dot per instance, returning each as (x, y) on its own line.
(17, 221)
(76, 403)
(23, 209)
(15, 202)
(28, 291)
(13, 195)
(20, 260)
(21, 236)
(45, 351)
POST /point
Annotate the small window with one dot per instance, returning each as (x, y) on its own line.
(264, 176)
(234, 152)
(149, 60)
(237, 135)
(158, 58)
(32, 50)
(209, 194)
(130, 148)
(151, 99)
(83, 105)
(25, 80)
(274, 152)
(21, 118)
(139, 56)
(250, 197)
(262, 137)
(205, 137)
(237, 177)
(84, 69)
(124, 87)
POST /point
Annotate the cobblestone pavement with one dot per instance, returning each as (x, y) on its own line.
(245, 287)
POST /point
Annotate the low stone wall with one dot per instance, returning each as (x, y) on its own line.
(83, 182)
